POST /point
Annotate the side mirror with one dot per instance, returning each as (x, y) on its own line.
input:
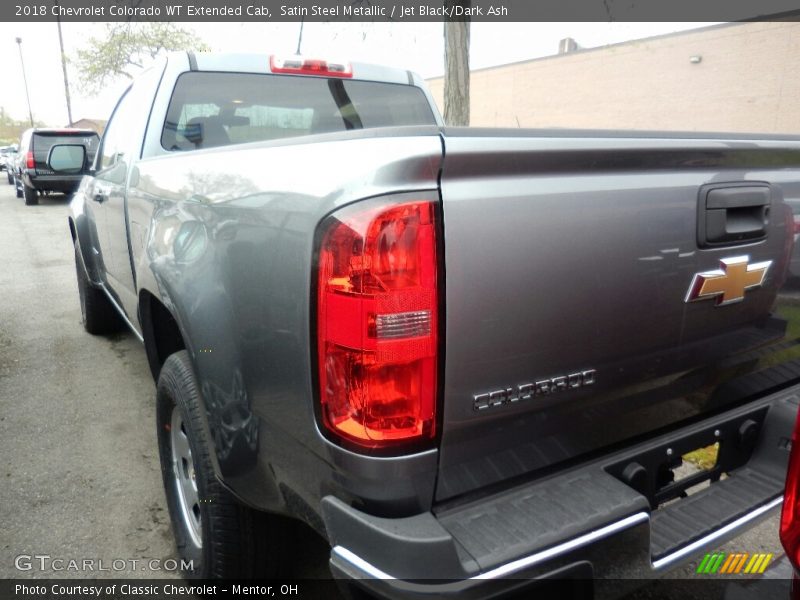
(67, 158)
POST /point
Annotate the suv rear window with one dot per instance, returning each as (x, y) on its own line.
(43, 141)
(216, 109)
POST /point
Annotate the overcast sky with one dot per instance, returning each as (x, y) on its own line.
(415, 46)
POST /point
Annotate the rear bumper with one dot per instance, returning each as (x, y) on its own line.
(65, 184)
(583, 524)
(609, 563)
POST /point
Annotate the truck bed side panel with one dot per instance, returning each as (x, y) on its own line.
(225, 238)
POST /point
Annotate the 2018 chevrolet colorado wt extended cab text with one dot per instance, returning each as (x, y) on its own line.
(466, 357)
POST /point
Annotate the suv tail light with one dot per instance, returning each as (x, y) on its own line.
(29, 160)
(377, 323)
(790, 515)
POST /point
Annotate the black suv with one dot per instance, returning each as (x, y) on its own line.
(32, 175)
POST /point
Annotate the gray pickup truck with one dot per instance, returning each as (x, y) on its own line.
(472, 360)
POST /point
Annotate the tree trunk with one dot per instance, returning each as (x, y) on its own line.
(456, 75)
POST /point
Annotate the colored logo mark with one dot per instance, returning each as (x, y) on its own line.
(735, 563)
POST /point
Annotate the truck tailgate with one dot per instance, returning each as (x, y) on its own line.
(586, 301)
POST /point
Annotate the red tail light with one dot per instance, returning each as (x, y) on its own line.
(29, 160)
(377, 323)
(790, 516)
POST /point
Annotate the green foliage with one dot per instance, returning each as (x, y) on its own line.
(125, 48)
(11, 129)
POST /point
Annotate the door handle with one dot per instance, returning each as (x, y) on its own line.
(100, 194)
(732, 213)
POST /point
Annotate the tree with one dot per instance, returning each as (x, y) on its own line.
(11, 129)
(456, 74)
(126, 48)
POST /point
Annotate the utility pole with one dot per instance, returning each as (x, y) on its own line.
(25, 79)
(64, 65)
(456, 61)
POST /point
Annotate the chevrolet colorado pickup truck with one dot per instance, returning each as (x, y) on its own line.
(472, 360)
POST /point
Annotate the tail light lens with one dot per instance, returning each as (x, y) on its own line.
(790, 515)
(297, 65)
(29, 160)
(377, 323)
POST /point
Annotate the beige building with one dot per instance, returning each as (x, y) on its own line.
(732, 77)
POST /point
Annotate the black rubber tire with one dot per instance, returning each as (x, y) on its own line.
(97, 313)
(10, 178)
(31, 195)
(17, 188)
(238, 542)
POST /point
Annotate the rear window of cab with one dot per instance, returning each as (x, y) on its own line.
(43, 141)
(210, 109)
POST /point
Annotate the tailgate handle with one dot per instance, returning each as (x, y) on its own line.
(732, 213)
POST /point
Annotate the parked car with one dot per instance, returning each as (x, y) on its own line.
(32, 174)
(3, 151)
(7, 156)
(470, 359)
(14, 166)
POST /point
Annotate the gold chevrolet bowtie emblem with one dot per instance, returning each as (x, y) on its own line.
(728, 283)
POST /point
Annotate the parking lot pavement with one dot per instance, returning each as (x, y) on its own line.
(80, 476)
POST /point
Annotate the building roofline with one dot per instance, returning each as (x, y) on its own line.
(788, 16)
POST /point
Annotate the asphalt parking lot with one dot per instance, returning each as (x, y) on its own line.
(80, 476)
(81, 473)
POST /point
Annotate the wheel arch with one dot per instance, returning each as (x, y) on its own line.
(164, 334)
(161, 331)
(78, 231)
(83, 230)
